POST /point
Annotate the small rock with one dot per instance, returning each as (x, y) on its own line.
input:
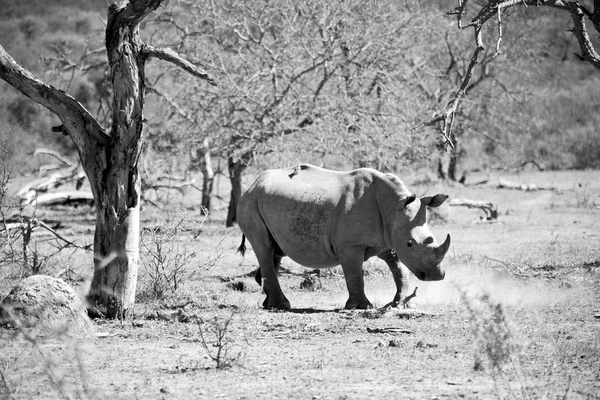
(311, 283)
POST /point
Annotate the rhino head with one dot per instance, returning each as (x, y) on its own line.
(414, 243)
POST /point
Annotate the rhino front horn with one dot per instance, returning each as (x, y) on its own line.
(443, 248)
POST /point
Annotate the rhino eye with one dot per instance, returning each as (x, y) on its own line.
(410, 243)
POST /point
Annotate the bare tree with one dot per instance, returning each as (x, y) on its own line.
(110, 158)
(451, 77)
(492, 14)
(302, 80)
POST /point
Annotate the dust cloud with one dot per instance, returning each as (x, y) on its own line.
(474, 280)
(501, 286)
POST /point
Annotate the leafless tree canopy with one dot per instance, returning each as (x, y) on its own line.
(492, 13)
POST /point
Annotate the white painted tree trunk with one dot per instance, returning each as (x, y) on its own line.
(110, 160)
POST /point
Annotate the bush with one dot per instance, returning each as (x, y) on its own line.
(497, 349)
(216, 339)
(167, 259)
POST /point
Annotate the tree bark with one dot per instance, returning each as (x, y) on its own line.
(117, 180)
(208, 177)
(450, 154)
(447, 163)
(236, 169)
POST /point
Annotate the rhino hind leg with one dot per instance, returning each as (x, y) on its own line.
(264, 248)
(278, 254)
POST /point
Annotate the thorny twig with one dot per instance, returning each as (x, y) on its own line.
(32, 223)
(404, 301)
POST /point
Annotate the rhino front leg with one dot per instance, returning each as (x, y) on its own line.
(400, 273)
(353, 273)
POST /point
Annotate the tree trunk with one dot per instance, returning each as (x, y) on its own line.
(447, 165)
(236, 169)
(208, 177)
(117, 181)
(109, 160)
(448, 159)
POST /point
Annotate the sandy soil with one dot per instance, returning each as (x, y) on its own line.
(531, 279)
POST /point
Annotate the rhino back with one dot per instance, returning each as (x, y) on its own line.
(315, 212)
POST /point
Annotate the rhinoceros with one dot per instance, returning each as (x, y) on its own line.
(322, 218)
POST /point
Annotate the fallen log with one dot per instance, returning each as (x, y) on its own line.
(177, 184)
(490, 210)
(504, 184)
(29, 192)
(63, 198)
(390, 329)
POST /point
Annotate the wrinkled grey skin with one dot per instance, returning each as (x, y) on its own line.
(321, 218)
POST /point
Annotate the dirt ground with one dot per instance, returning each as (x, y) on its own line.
(518, 316)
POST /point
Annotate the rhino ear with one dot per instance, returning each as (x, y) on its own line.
(410, 199)
(434, 201)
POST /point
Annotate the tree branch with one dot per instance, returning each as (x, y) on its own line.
(36, 223)
(128, 14)
(578, 13)
(495, 8)
(77, 121)
(172, 57)
(54, 154)
(589, 54)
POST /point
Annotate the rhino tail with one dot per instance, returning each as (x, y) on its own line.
(242, 248)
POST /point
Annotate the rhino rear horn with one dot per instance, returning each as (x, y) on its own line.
(443, 248)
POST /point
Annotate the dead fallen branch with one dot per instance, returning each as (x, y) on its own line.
(513, 269)
(28, 193)
(544, 271)
(504, 184)
(391, 329)
(490, 210)
(64, 198)
(171, 183)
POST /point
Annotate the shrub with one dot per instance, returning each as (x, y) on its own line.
(166, 258)
(216, 340)
(497, 350)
